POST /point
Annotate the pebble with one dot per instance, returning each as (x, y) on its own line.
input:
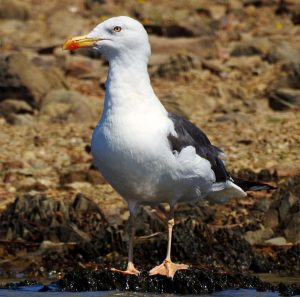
(276, 241)
(259, 236)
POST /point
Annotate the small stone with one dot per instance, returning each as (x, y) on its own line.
(262, 204)
(78, 186)
(258, 236)
(283, 52)
(95, 177)
(276, 241)
(27, 184)
(176, 65)
(20, 119)
(9, 106)
(245, 50)
(79, 66)
(284, 99)
(73, 176)
(285, 206)
(216, 11)
(271, 219)
(82, 203)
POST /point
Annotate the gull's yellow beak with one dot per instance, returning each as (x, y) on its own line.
(79, 42)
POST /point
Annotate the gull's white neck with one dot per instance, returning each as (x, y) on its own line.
(128, 84)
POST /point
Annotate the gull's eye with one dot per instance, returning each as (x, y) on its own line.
(117, 29)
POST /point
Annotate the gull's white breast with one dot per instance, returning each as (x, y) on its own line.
(132, 152)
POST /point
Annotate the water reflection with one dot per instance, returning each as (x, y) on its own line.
(33, 292)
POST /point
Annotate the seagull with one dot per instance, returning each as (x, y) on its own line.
(147, 154)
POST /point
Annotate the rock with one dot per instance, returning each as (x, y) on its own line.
(92, 176)
(262, 204)
(85, 67)
(16, 112)
(37, 218)
(27, 184)
(261, 264)
(284, 99)
(14, 9)
(271, 219)
(82, 204)
(216, 11)
(63, 105)
(22, 80)
(246, 174)
(79, 66)
(283, 52)
(265, 175)
(292, 231)
(73, 176)
(20, 119)
(188, 28)
(289, 258)
(259, 3)
(214, 66)
(276, 241)
(205, 47)
(245, 50)
(291, 7)
(258, 236)
(101, 8)
(9, 106)
(174, 30)
(283, 215)
(286, 207)
(65, 19)
(173, 104)
(78, 186)
(193, 281)
(176, 65)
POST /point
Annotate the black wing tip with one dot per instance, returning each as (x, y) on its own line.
(262, 187)
(253, 186)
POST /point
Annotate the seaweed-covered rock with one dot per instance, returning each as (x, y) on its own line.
(284, 209)
(37, 218)
(192, 281)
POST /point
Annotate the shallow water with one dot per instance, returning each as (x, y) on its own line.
(277, 278)
(32, 291)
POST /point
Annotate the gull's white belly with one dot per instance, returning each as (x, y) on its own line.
(135, 158)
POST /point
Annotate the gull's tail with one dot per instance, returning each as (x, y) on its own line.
(252, 186)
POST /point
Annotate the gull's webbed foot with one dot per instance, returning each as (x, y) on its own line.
(129, 271)
(167, 268)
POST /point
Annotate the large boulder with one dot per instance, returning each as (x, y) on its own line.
(14, 9)
(64, 105)
(20, 79)
(61, 24)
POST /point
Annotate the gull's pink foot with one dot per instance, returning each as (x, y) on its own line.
(167, 268)
(129, 271)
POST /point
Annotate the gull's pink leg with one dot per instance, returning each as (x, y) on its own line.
(130, 266)
(168, 268)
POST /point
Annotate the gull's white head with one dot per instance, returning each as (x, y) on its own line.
(118, 37)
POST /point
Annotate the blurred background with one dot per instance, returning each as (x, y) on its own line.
(232, 67)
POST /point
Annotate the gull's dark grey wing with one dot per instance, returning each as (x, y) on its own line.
(189, 135)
